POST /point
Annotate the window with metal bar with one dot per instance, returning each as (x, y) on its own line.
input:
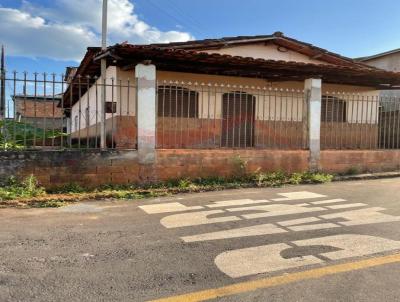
(333, 109)
(175, 101)
(238, 112)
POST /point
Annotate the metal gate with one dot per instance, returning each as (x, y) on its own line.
(238, 116)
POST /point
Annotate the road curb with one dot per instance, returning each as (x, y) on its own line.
(367, 176)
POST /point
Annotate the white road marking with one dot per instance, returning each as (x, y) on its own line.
(275, 210)
(260, 259)
(298, 221)
(167, 208)
(195, 218)
(256, 230)
(298, 196)
(352, 245)
(309, 227)
(345, 206)
(328, 201)
(362, 216)
(267, 258)
(239, 202)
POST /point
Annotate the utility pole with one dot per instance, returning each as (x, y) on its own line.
(2, 86)
(103, 63)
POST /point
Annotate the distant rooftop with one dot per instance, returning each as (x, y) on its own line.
(378, 55)
(50, 97)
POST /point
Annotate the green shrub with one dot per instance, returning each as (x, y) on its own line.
(271, 179)
(184, 183)
(18, 135)
(14, 189)
(309, 177)
(69, 188)
(240, 166)
(296, 178)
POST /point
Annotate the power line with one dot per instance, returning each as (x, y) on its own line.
(185, 15)
(171, 16)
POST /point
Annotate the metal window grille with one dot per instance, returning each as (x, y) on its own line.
(176, 101)
(333, 109)
(360, 121)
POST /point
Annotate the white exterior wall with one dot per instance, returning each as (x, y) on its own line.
(119, 89)
(273, 99)
(389, 62)
(127, 92)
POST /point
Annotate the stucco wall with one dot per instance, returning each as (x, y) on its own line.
(265, 51)
(389, 62)
(274, 100)
(120, 88)
(271, 104)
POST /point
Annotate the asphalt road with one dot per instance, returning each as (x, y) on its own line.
(331, 242)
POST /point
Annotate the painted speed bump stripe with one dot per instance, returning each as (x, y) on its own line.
(249, 286)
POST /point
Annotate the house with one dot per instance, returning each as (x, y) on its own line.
(40, 122)
(235, 92)
(39, 111)
(388, 60)
(390, 111)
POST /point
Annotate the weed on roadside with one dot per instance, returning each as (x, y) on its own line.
(29, 193)
(14, 189)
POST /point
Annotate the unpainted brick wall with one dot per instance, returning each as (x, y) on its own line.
(29, 108)
(94, 168)
(341, 161)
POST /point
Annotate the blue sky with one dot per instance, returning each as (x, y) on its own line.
(48, 35)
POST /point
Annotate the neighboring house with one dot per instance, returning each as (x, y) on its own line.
(390, 111)
(39, 111)
(236, 92)
(388, 60)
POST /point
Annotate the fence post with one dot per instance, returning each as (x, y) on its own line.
(146, 112)
(312, 90)
(2, 86)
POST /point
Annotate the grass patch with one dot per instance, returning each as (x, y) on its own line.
(28, 193)
(14, 189)
(19, 135)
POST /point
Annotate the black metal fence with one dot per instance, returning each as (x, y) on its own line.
(49, 112)
(56, 112)
(360, 121)
(198, 115)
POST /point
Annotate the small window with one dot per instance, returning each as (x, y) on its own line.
(76, 123)
(175, 101)
(333, 109)
(111, 107)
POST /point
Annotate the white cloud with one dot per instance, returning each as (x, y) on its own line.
(64, 30)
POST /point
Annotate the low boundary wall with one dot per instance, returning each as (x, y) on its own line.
(93, 168)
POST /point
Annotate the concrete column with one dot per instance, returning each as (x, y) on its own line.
(146, 112)
(312, 89)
